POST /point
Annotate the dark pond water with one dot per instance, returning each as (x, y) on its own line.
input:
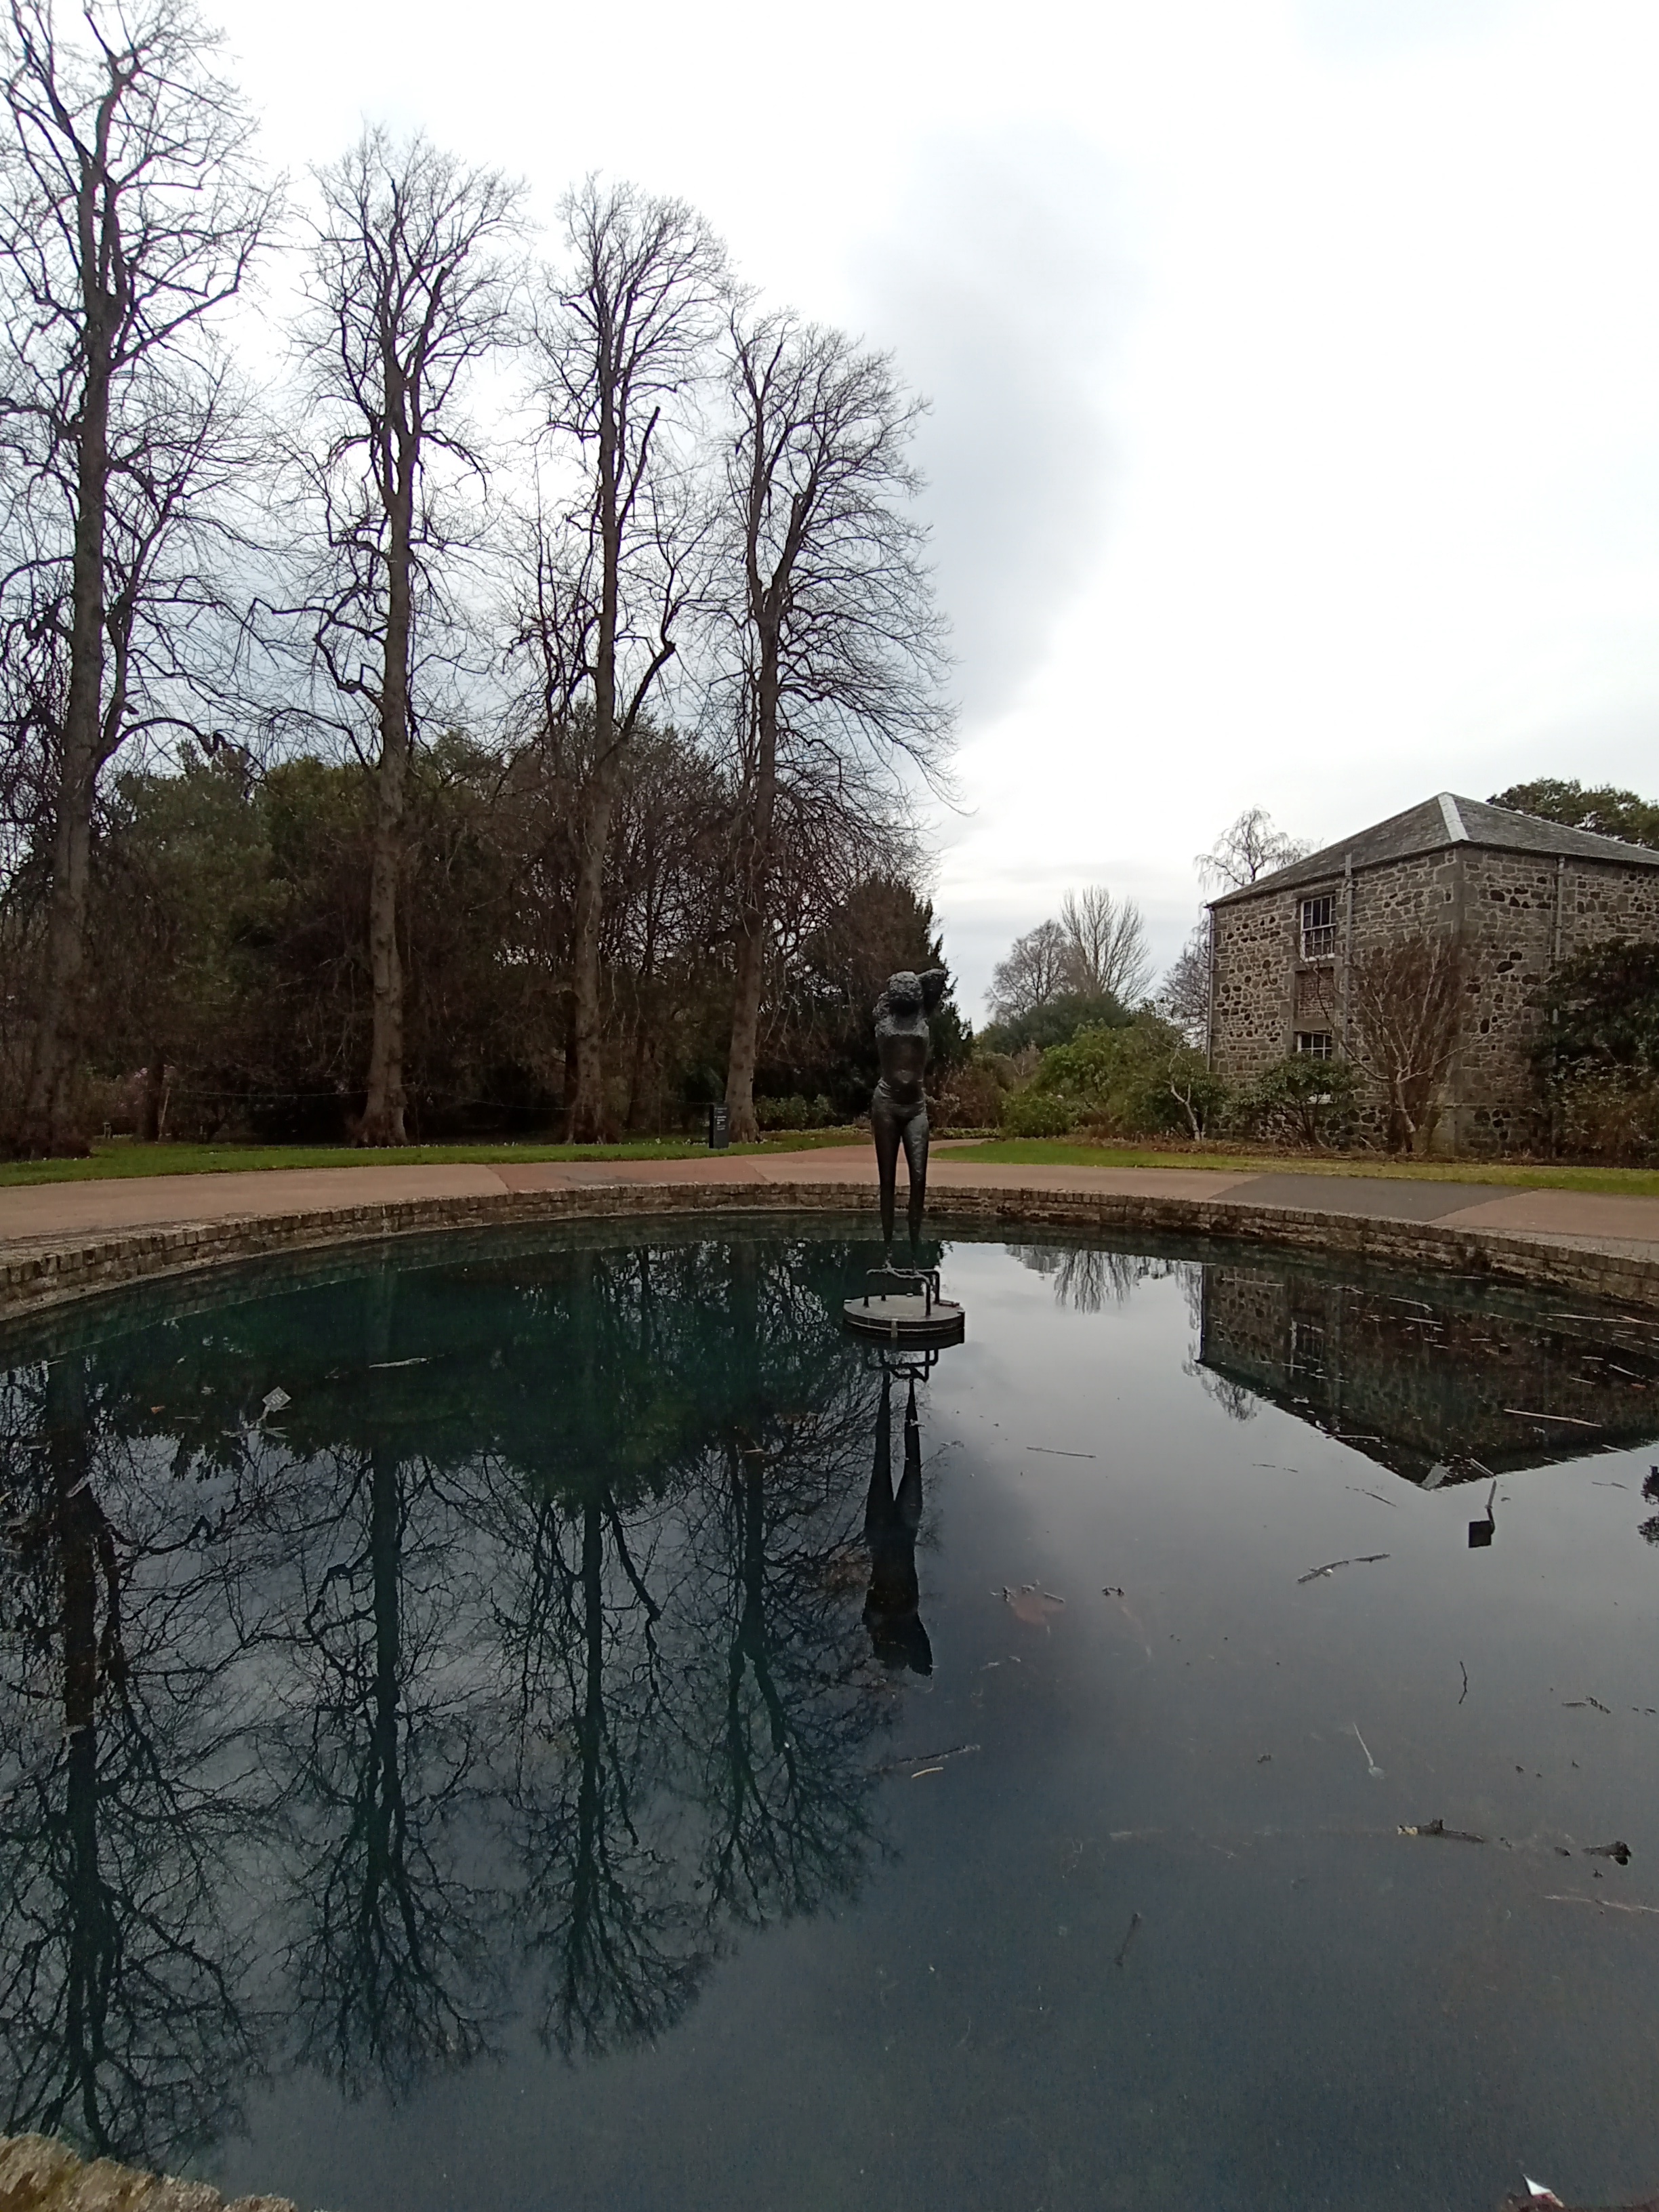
(555, 1725)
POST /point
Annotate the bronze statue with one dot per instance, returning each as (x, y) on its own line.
(898, 1109)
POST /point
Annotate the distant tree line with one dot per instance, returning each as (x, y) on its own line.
(371, 763)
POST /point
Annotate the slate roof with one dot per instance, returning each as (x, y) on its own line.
(1437, 824)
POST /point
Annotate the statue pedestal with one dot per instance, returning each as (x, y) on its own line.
(902, 1306)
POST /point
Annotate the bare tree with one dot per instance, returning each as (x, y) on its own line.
(1183, 996)
(1038, 965)
(840, 656)
(410, 288)
(1249, 849)
(624, 347)
(129, 212)
(1405, 1005)
(1106, 938)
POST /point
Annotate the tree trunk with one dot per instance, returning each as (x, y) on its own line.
(586, 1098)
(151, 1098)
(46, 1127)
(585, 1124)
(753, 909)
(383, 1109)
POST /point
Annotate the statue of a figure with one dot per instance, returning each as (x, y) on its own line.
(898, 1109)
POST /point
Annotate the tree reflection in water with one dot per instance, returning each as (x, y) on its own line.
(129, 1805)
(501, 1675)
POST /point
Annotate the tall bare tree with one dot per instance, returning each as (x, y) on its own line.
(1106, 941)
(1249, 849)
(1183, 996)
(1037, 967)
(412, 287)
(129, 211)
(840, 654)
(625, 345)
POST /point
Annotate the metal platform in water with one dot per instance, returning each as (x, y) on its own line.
(902, 1306)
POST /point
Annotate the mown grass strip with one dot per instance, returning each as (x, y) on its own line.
(121, 1158)
(1052, 1152)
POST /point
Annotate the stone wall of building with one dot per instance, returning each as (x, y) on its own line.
(1515, 914)
(1253, 957)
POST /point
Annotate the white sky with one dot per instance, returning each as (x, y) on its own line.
(1294, 363)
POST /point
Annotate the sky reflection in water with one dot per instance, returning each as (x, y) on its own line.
(602, 1742)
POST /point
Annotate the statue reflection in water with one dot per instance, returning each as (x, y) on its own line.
(891, 1518)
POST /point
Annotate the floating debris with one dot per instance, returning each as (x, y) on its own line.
(1602, 1904)
(1482, 1531)
(1620, 1853)
(1440, 1828)
(273, 1402)
(1578, 1705)
(1372, 1766)
(1032, 1605)
(1362, 1559)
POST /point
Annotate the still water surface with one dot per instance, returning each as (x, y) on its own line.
(553, 1724)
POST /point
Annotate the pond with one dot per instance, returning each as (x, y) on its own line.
(537, 1721)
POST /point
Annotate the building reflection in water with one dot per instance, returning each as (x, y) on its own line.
(1470, 1385)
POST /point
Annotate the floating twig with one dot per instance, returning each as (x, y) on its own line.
(1360, 1559)
(1602, 1903)
(1049, 1451)
(1128, 1937)
(1464, 1671)
(1372, 1766)
(1570, 1420)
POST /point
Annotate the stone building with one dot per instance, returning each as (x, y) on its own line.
(1518, 894)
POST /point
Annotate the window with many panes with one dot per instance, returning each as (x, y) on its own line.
(1318, 927)
(1308, 1349)
(1318, 1044)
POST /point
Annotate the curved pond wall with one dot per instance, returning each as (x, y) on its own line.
(50, 1274)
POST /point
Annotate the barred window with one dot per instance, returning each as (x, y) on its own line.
(1318, 927)
(1318, 1044)
(1308, 1349)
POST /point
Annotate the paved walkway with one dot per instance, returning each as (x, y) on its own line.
(59, 1213)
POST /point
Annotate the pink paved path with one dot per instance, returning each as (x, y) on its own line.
(60, 1213)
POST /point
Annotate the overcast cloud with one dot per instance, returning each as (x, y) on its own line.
(996, 287)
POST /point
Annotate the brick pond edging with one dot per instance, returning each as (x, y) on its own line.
(50, 1272)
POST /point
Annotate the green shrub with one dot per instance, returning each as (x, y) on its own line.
(971, 1097)
(789, 1113)
(1140, 1078)
(1300, 1100)
(1596, 1059)
(1032, 1113)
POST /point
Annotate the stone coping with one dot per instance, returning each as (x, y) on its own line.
(50, 1274)
(39, 2174)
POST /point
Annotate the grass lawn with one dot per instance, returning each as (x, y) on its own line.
(1054, 1151)
(123, 1157)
